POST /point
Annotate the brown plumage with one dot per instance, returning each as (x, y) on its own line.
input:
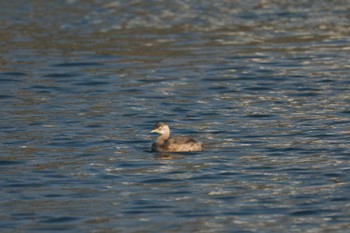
(165, 143)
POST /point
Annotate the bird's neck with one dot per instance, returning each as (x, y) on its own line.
(162, 138)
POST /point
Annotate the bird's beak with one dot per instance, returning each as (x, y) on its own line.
(153, 131)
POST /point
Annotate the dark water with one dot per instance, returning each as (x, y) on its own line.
(264, 84)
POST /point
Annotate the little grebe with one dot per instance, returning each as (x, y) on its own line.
(165, 143)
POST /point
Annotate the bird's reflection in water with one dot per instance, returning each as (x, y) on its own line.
(168, 156)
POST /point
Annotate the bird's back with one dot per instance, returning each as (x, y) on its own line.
(181, 143)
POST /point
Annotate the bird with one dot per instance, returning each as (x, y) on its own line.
(165, 143)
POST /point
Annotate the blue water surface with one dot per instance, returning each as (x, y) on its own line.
(264, 85)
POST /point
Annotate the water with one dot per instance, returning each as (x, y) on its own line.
(265, 85)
